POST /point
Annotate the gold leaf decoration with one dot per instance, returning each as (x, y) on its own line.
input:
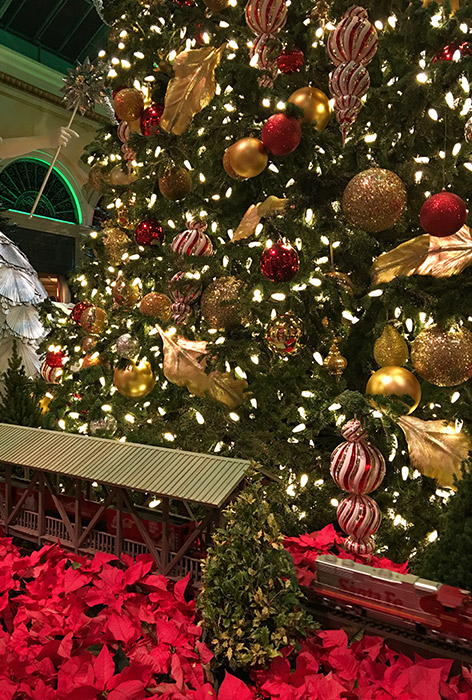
(191, 89)
(436, 448)
(184, 365)
(402, 260)
(255, 213)
(426, 255)
(447, 256)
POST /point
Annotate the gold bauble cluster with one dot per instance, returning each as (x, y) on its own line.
(443, 358)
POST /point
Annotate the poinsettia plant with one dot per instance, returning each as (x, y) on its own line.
(79, 628)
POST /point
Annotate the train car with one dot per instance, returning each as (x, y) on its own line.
(401, 600)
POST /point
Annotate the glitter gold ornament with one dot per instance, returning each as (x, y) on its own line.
(248, 157)
(395, 381)
(315, 106)
(216, 5)
(390, 348)
(284, 334)
(88, 343)
(129, 104)
(126, 293)
(135, 381)
(334, 362)
(220, 303)
(115, 242)
(175, 184)
(227, 165)
(443, 358)
(93, 320)
(156, 305)
(374, 200)
(91, 361)
(341, 279)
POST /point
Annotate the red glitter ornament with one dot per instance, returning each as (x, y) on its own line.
(443, 214)
(55, 359)
(150, 120)
(78, 310)
(149, 232)
(290, 61)
(280, 262)
(448, 52)
(281, 134)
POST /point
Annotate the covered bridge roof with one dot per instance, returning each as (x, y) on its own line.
(187, 476)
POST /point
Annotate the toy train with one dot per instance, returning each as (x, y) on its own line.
(399, 600)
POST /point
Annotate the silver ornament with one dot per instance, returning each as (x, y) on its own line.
(468, 131)
(127, 346)
(103, 426)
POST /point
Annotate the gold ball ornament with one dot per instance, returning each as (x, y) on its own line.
(126, 293)
(93, 320)
(88, 343)
(315, 106)
(248, 157)
(135, 381)
(374, 200)
(334, 362)
(175, 184)
(284, 334)
(121, 178)
(390, 349)
(342, 280)
(128, 104)
(115, 242)
(216, 5)
(443, 358)
(395, 381)
(156, 305)
(220, 303)
(227, 166)
(97, 178)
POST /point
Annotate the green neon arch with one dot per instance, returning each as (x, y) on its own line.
(20, 182)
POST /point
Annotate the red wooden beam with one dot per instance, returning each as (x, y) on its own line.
(23, 498)
(97, 517)
(41, 509)
(165, 531)
(143, 532)
(65, 518)
(119, 524)
(189, 541)
(78, 513)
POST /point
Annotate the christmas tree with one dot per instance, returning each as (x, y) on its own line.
(18, 402)
(259, 246)
(250, 601)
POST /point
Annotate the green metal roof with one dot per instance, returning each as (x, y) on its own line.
(188, 476)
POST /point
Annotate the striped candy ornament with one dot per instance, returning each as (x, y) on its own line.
(359, 516)
(351, 46)
(183, 289)
(266, 16)
(180, 312)
(193, 241)
(52, 375)
(354, 39)
(262, 49)
(357, 467)
(123, 131)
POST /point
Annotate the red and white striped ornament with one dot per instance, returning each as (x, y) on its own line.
(358, 468)
(351, 46)
(265, 18)
(193, 241)
(123, 131)
(52, 375)
(128, 152)
(184, 292)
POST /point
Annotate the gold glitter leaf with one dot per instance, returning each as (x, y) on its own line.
(255, 213)
(402, 260)
(191, 89)
(447, 256)
(436, 448)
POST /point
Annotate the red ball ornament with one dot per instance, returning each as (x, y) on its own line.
(55, 359)
(280, 262)
(281, 135)
(149, 232)
(290, 61)
(443, 214)
(78, 310)
(450, 51)
(150, 120)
